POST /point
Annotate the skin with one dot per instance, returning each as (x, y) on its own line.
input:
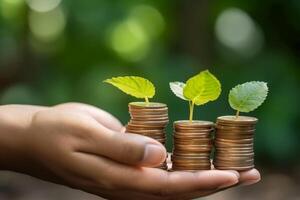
(84, 147)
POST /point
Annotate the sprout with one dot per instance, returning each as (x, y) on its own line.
(198, 90)
(248, 96)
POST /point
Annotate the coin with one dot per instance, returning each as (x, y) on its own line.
(149, 119)
(145, 105)
(191, 168)
(192, 145)
(240, 120)
(238, 168)
(233, 143)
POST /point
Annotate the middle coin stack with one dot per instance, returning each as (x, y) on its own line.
(149, 119)
(192, 145)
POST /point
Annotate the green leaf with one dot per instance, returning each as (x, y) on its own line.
(177, 89)
(248, 96)
(133, 85)
(202, 88)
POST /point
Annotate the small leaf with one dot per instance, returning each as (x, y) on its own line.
(248, 96)
(177, 89)
(133, 85)
(202, 88)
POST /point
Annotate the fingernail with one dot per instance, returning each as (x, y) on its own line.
(153, 155)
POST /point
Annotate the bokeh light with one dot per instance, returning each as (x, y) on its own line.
(10, 9)
(236, 30)
(149, 18)
(43, 5)
(47, 26)
(130, 41)
(132, 38)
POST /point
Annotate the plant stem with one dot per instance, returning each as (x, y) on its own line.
(191, 104)
(237, 114)
(147, 100)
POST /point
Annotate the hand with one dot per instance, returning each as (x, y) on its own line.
(83, 147)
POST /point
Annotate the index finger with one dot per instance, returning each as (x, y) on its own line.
(101, 116)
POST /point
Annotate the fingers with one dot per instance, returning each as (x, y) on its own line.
(249, 177)
(180, 183)
(103, 117)
(150, 180)
(126, 148)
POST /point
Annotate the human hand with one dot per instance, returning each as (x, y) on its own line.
(83, 147)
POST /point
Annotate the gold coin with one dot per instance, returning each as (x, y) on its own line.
(235, 168)
(186, 124)
(192, 145)
(240, 119)
(233, 142)
(146, 126)
(147, 105)
(149, 120)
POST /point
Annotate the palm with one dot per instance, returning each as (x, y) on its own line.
(121, 181)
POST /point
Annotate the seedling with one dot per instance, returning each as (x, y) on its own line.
(135, 86)
(198, 90)
(248, 96)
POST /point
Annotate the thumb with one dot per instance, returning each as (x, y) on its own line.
(129, 148)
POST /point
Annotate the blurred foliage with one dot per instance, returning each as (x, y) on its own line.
(54, 51)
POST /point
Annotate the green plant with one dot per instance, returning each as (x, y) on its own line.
(198, 90)
(248, 96)
(133, 85)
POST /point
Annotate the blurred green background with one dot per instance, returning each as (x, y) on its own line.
(55, 51)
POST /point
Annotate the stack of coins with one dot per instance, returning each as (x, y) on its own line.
(192, 145)
(149, 119)
(234, 143)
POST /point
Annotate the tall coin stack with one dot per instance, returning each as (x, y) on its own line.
(192, 145)
(149, 119)
(234, 143)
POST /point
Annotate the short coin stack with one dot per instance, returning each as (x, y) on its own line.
(149, 119)
(234, 143)
(192, 145)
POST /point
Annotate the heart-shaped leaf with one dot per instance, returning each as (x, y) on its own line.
(202, 88)
(133, 85)
(248, 96)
